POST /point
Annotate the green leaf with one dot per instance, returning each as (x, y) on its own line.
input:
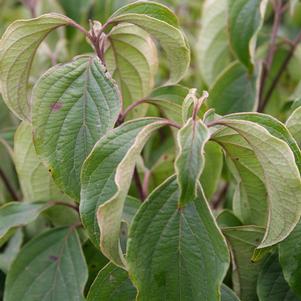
(294, 125)
(290, 259)
(243, 241)
(275, 128)
(169, 100)
(131, 58)
(36, 182)
(212, 171)
(245, 18)
(151, 9)
(74, 105)
(18, 47)
(106, 177)
(13, 215)
(212, 46)
(233, 91)
(176, 254)
(226, 218)
(271, 284)
(112, 283)
(249, 203)
(11, 251)
(161, 23)
(190, 161)
(282, 179)
(49, 267)
(228, 294)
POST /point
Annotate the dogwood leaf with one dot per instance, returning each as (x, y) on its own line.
(190, 161)
(18, 46)
(176, 253)
(49, 267)
(74, 105)
(106, 178)
(161, 23)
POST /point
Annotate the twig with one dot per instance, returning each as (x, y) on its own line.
(219, 197)
(139, 185)
(280, 72)
(8, 186)
(61, 203)
(266, 64)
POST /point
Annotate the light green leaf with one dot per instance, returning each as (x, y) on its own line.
(13, 215)
(243, 241)
(275, 128)
(176, 254)
(36, 182)
(131, 58)
(282, 179)
(11, 251)
(106, 178)
(226, 218)
(212, 46)
(74, 105)
(290, 259)
(271, 284)
(249, 203)
(190, 161)
(112, 283)
(212, 171)
(233, 91)
(245, 18)
(50, 267)
(161, 23)
(169, 100)
(294, 125)
(228, 294)
(18, 46)
(149, 8)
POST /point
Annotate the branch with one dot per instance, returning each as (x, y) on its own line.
(266, 64)
(139, 185)
(8, 186)
(280, 72)
(219, 197)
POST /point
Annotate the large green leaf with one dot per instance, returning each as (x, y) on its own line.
(294, 124)
(36, 182)
(282, 179)
(245, 18)
(18, 46)
(13, 215)
(106, 177)
(176, 253)
(233, 91)
(162, 24)
(212, 47)
(290, 259)
(50, 267)
(243, 241)
(275, 128)
(131, 58)
(250, 196)
(271, 284)
(192, 138)
(112, 283)
(74, 105)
